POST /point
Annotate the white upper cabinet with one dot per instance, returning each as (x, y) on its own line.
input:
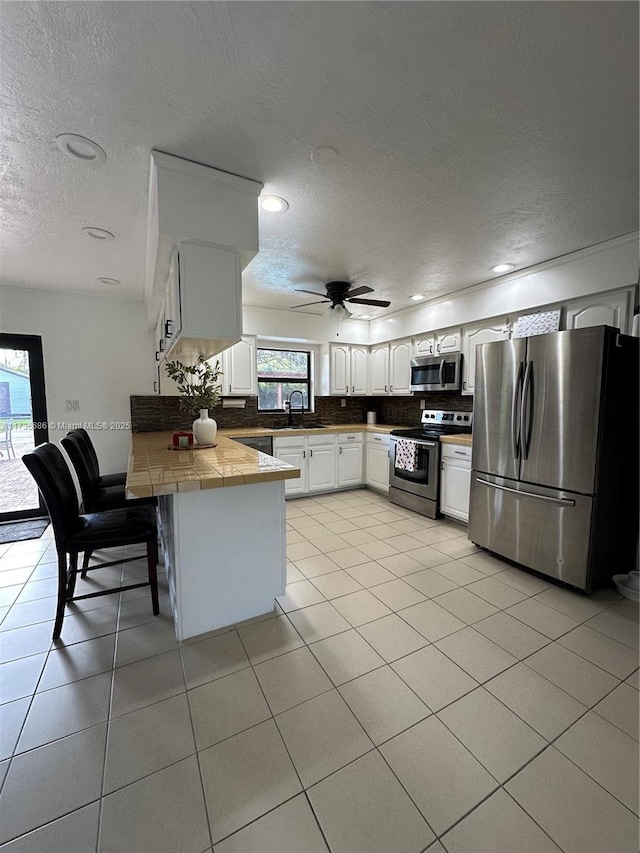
(448, 341)
(348, 369)
(340, 368)
(472, 336)
(359, 369)
(608, 309)
(400, 367)
(239, 375)
(379, 369)
(425, 345)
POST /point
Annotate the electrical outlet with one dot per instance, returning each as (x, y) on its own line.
(423, 403)
(72, 405)
(343, 403)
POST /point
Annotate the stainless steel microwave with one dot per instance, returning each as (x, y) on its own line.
(437, 372)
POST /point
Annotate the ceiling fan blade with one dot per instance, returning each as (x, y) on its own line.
(381, 303)
(358, 291)
(322, 301)
(312, 292)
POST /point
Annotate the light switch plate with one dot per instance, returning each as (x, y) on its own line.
(343, 403)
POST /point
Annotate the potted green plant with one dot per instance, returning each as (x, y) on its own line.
(200, 389)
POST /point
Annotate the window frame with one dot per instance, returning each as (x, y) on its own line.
(280, 379)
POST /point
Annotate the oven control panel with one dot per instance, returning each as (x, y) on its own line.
(434, 417)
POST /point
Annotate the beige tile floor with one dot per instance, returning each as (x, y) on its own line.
(408, 693)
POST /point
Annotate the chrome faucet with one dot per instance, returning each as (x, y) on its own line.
(301, 409)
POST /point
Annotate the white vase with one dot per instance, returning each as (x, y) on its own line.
(205, 428)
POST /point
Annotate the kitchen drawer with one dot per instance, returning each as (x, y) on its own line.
(289, 441)
(350, 438)
(378, 438)
(321, 439)
(456, 451)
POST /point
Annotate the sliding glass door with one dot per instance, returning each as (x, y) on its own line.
(23, 423)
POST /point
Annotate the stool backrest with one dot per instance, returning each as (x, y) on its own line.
(91, 457)
(79, 456)
(48, 467)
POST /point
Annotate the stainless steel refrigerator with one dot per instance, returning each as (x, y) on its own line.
(554, 484)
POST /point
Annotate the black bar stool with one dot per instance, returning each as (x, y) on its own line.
(92, 461)
(87, 532)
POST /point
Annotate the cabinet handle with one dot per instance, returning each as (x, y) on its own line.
(464, 386)
(311, 453)
(157, 355)
(304, 454)
(390, 388)
(442, 466)
(376, 438)
(385, 389)
(460, 452)
(161, 344)
(341, 450)
(353, 389)
(155, 386)
(347, 389)
(168, 331)
(229, 387)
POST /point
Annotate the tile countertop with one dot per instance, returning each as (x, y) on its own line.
(155, 470)
(457, 439)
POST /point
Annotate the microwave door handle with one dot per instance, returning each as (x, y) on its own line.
(515, 413)
(442, 371)
(526, 411)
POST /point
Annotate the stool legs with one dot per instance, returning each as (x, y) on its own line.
(152, 563)
(62, 594)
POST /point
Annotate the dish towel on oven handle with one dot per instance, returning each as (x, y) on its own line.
(406, 455)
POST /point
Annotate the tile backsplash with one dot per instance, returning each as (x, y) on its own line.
(155, 413)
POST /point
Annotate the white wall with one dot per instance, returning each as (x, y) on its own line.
(303, 328)
(96, 350)
(608, 266)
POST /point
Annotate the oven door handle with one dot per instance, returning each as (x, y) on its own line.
(418, 441)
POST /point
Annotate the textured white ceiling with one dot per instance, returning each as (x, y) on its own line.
(468, 133)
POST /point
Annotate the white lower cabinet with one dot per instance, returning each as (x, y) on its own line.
(321, 467)
(377, 466)
(350, 461)
(455, 483)
(293, 449)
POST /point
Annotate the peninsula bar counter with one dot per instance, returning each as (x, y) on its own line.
(222, 521)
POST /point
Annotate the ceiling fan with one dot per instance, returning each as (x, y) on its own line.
(339, 292)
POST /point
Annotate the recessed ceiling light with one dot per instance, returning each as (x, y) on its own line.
(81, 148)
(324, 156)
(364, 317)
(502, 268)
(97, 233)
(109, 281)
(417, 297)
(273, 204)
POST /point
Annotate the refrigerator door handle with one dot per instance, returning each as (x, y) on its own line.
(515, 412)
(563, 501)
(526, 411)
(442, 372)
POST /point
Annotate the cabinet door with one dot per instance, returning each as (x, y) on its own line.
(448, 342)
(472, 336)
(378, 466)
(350, 464)
(340, 369)
(239, 365)
(424, 346)
(455, 487)
(359, 364)
(400, 367)
(295, 456)
(380, 369)
(173, 310)
(322, 468)
(609, 309)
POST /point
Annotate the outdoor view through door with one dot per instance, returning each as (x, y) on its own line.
(23, 423)
(280, 372)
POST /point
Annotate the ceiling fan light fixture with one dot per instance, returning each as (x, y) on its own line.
(338, 312)
(502, 268)
(273, 203)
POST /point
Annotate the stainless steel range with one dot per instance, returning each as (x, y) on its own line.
(414, 460)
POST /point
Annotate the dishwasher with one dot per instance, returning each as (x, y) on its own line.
(263, 443)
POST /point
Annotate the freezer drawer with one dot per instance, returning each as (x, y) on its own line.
(544, 529)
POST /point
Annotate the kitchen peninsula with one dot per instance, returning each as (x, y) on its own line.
(222, 527)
